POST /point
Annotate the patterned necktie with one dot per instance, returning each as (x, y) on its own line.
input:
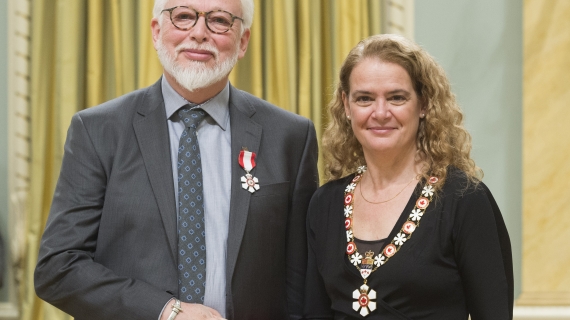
(191, 231)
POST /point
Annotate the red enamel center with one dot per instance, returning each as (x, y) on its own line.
(422, 203)
(363, 300)
(350, 247)
(409, 227)
(348, 199)
(389, 250)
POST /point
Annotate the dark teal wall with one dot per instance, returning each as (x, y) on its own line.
(479, 44)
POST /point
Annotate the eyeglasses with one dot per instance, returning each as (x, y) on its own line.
(217, 21)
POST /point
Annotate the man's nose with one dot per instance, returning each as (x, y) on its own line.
(200, 31)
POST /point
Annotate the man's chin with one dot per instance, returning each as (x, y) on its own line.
(195, 65)
(196, 82)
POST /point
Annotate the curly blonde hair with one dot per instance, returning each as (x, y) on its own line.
(441, 140)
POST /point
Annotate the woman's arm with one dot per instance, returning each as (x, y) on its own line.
(483, 254)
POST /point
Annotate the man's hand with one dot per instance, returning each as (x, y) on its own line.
(192, 311)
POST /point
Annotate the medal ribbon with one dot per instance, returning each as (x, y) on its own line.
(247, 160)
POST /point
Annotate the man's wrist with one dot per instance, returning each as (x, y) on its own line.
(176, 308)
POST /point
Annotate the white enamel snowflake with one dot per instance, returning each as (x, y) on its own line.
(416, 214)
(250, 183)
(399, 239)
(349, 235)
(356, 258)
(428, 191)
(379, 260)
(347, 211)
(361, 169)
(350, 187)
(364, 301)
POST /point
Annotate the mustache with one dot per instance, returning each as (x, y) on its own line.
(203, 47)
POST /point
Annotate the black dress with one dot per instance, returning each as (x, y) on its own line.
(457, 263)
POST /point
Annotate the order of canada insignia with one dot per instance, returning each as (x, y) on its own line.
(364, 301)
(246, 160)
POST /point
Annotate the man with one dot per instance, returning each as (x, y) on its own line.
(125, 238)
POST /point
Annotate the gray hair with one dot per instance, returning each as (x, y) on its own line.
(246, 8)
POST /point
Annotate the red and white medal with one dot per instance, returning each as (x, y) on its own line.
(246, 160)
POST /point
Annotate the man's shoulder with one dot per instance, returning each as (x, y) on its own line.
(264, 109)
(144, 99)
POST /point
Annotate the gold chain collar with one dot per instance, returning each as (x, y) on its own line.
(366, 265)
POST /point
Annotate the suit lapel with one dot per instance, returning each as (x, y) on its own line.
(150, 126)
(245, 133)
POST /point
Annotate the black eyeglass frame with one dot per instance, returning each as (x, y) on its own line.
(201, 13)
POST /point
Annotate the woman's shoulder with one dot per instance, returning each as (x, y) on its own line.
(334, 186)
(459, 191)
(326, 208)
(458, 184)
(329, 197)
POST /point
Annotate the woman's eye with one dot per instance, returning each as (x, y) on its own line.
(363, 99)
(398, 99)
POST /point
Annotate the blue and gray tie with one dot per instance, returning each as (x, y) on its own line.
(191, 231)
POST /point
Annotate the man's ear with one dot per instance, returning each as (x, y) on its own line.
(243, 43)
(155, 30)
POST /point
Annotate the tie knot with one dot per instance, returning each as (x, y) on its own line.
(191, 117)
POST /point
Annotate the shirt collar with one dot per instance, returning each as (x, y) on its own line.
(217, 107)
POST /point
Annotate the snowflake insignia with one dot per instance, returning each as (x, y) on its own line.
(399, 239)
(379, 260)
(427, 191)
(416, 214)
(347, 211)
(349, 235)
(356, 258)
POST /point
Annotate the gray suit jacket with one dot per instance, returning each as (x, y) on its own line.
(109, 247)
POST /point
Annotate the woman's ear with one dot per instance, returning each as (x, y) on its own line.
(346, 105)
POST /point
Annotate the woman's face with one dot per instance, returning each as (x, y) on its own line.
(383, 107)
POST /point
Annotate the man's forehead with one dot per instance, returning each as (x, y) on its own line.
(207, 5)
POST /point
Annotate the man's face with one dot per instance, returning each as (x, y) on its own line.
(198, 57)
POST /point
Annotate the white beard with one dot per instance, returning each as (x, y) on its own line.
(196, 75)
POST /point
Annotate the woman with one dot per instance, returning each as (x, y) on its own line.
(397, 154)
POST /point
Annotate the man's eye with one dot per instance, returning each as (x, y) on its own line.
(220, 21)
(185, 17)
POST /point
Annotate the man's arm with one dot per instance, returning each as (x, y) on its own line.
(66, 274)
(306, 183)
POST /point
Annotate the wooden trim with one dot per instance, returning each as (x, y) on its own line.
(541, 313)
(398, 17)
(558, 298)
(18, 147)
(8, 311)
